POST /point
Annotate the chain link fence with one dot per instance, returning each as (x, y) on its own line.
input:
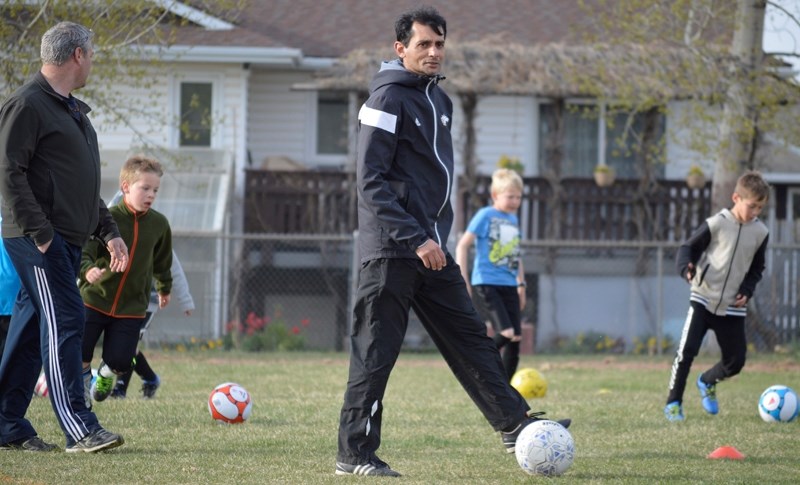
(582, 296)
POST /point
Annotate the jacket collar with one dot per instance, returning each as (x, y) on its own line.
(40, 80)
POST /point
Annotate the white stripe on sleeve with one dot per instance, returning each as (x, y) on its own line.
(378, 119)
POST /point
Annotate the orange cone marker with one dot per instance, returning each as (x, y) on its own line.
(726, 453)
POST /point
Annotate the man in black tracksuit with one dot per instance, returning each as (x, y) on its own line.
(50, 185)
(404, 178)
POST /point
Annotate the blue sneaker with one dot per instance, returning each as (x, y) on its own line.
(708, 394)
(149, 388)
(673, 411)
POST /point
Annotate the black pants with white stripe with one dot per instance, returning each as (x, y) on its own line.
(732, 340)
(46, 328)
(388, 289)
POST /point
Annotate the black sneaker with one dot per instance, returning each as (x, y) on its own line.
(97, 440)
(149, 388)
(370, 469)
(510, 438)
(29, 444)
(118, 392)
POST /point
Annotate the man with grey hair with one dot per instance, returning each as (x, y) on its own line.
(50, 186)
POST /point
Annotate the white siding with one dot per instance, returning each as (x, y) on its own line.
(683, 129)
(504, 126)
(278, 117)
(152, 111)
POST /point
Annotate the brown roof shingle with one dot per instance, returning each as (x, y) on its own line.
(332, 28)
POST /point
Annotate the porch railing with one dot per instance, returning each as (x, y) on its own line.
(308, 202)
(577, 209)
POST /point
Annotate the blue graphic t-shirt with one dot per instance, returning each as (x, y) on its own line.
(496, 247)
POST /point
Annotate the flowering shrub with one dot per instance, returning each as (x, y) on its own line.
(591, 343)
(511, 163)
(194, 343)
(649, 345)
(265, 333)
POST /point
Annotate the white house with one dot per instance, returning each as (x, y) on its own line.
(236, 85)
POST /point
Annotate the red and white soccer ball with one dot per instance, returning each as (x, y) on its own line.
(41, 386)
(230, 403)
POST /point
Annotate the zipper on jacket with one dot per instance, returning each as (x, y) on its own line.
(131, 250)
(438, 159)
(730, 266)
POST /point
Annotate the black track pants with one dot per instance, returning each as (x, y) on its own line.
(388, 288)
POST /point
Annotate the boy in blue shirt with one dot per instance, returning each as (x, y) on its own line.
(498, 278)
(9, 287)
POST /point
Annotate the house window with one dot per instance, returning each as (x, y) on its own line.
(332, 123)
(591, 136)
(195, 114)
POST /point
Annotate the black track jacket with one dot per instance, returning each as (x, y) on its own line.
(404, 164)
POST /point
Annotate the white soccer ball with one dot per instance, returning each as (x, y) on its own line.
(41, 386)
(778, 404)
(545, 448)
(230, 403)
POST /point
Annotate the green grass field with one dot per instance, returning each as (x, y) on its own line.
(432, 431)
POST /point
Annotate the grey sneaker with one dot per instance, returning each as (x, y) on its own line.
(97, 440)
(369, 469)
(29, 444)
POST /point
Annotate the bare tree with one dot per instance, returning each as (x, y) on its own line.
(130, 36)
(733, 88)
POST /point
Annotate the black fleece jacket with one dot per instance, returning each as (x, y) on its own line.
(50, 169)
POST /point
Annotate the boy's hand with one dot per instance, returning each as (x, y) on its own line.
(741, 301)
(690, 272)
(94, 274)
(163, 300)
(188, 313)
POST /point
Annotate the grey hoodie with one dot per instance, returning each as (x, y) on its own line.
(729, 259)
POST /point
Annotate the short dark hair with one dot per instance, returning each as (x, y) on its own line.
(751, 185)
(424, 15)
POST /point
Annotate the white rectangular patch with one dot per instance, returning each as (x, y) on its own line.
(377, 118)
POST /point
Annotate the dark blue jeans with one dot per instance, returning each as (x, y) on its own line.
(388, 289)
(46, 328)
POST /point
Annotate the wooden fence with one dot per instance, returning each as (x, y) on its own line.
(292, 202)
(573, 209)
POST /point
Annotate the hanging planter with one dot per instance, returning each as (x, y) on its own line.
(603, 175)
(696, 179)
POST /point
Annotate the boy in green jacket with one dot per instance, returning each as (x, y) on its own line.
(116, 303)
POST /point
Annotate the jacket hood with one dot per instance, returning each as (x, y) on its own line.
(393, 72)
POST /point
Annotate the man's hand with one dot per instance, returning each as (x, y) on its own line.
(119, 254)
(741, 301)
(163, 301)
(432, 255)
(44, 247)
